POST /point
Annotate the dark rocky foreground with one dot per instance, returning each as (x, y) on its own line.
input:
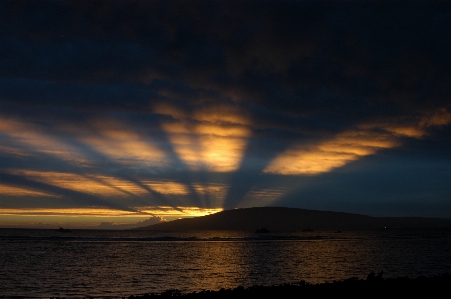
(373, 287)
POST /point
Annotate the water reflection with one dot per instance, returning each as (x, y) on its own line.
(121, 263)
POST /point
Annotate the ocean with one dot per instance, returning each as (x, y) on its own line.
(117, 264)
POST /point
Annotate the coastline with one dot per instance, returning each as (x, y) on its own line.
(438, 286)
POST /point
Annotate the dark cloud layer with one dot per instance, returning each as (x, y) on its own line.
(139, 90)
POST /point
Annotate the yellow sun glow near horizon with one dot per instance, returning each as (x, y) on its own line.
(92, 217)
(203, 140)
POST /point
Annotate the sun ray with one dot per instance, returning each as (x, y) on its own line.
(351, 145)
(32, 138)
(119, 142)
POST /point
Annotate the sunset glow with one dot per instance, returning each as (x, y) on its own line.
(344, 148)
(6, 190)
(159, 211)
(29, 140)
(207, 145)
(351, 145)
(123, 145)
(90, 217)
(96, 184)
(206, 148)
(211, 106)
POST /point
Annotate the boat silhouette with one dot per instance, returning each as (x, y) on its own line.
(262, 230)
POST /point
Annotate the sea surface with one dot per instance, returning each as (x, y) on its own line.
(116, 264)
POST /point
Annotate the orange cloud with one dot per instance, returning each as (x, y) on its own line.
(327, 155)
(208, 145)
(168, 187)
(408, 131)
(102, 212)
(122, 144)
(222, 114)
(351, 145)
(95, 184)
(67, 212)
(99, 185)
(212, 153)
(171, 110)
(439, 117)
(30, 135)
(217, 114)
(7, 190)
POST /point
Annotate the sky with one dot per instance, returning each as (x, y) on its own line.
(114, 113)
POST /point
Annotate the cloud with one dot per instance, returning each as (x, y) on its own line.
(147, 104)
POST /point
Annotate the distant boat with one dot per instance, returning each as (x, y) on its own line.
(307, 229)
(262, 230)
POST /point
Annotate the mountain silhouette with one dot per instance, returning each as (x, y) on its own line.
(295, 219)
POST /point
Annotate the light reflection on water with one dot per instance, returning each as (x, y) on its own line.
(39, 263)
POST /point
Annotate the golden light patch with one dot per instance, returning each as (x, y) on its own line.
(123, 145)
(360, 139)
(439, 117)
(176, 127)
(89, 217)
(6, 190)
(222, 114)
(325, 156)
(127, 151)
(219, 114)
(66, 212)
(211, 138)
(294, 162)
(186, 127)
(208, 146)
(351, 145)
(29, 135)
(168, 187)
(222, 130)
(187, 148)
(407, 128)
(222, 154)
(409, 131)
(99, 184)
(396, 129)
(179, 211)
(10, 125)
(212, 153)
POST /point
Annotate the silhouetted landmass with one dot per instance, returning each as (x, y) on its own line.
(373, 287)
(294, 219)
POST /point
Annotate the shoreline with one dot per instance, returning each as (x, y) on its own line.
(374, 286)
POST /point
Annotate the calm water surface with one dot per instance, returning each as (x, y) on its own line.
(112, 264)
